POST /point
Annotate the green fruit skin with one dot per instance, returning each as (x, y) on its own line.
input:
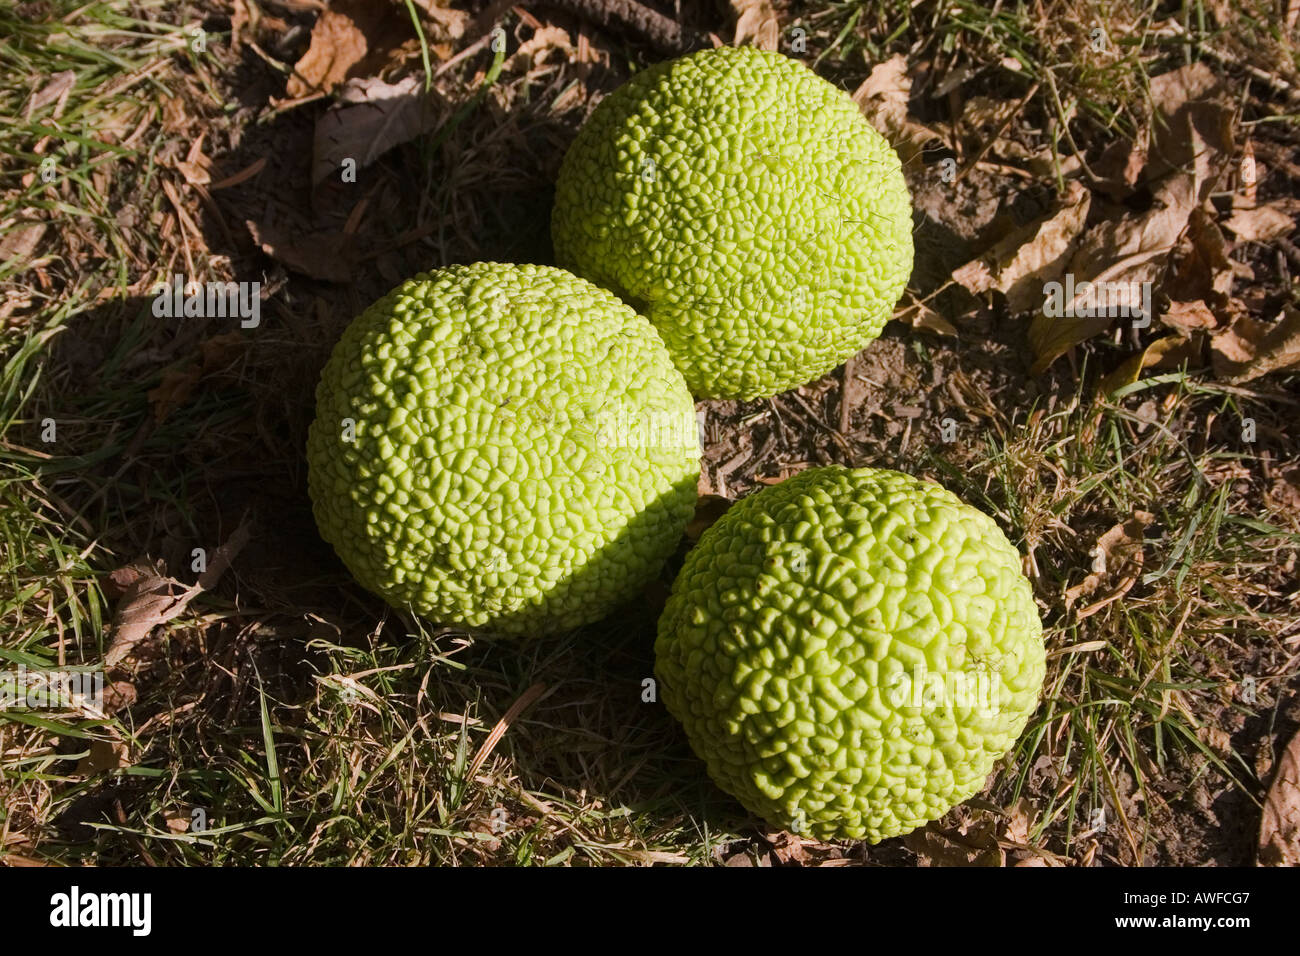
(781, 648)
(525, 454)
(745, 206)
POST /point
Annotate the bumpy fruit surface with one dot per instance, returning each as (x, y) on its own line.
(507, 448)
(851, 651)
(747, 208)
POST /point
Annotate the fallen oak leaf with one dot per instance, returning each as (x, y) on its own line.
(1127, 255)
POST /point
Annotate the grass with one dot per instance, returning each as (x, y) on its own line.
(286, 718)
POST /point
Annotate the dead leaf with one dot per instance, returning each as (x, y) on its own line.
(921, 316)
(1279, 828)
(1020, 820)
(350, 38)
(320, 255)
(1202, 269)
(544, 41)
(787, 848)
(1188, 317)
(1122, 162)
(119, 695)
(1248, 174)
(149, 600)
(883, 97)
(1021, 263)
(1250, 348)
(756, 20)
(450, 23)
(1130, 252)
(55, 91)
(370, 118)
(1261, 224)
(966, 846)
(1192, 126)
(1217, 740)
(152, 599)
(178, 821)
(1192, 145)
(105, 756)
(1117, 561)
(20, 242)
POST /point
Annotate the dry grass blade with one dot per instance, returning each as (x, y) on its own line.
(502, 725)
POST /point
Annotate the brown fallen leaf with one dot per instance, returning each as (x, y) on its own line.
(19, 243)
(55, 91)
(1260, 224)
(1279, 828)
(105, 756)
(1021, 263)
(1192, 128)
(921, 316)
(320, 255)
(967, 845)
(1192, 146)
(370, 118)
(119, 695)
(350, 38)
(449, 23)
(1250, 348)
(1189, 317)
(539, 47)
(151, 598)
(883, 97)
(1202, 269)
(1122, 162)
(1117, 561)
(148, 601)
(756, 21)
(787, 847)
(1130, 252)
